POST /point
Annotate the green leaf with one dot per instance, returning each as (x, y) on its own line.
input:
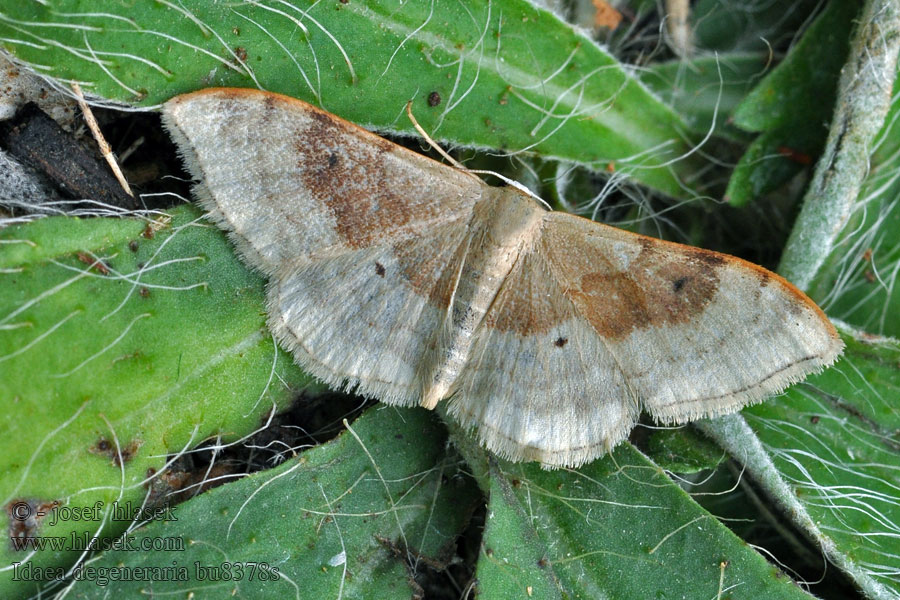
(106, 374)
(752, 26)
(706, 87)
(615, 528)
(682, 450)
(342, 519)
(508, 75)
(791, 106)
(827, 454)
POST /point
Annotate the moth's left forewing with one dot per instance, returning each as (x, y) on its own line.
(696, 333)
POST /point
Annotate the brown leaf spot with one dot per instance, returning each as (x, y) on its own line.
(434, 99)
(117, 456)
(166, 487)
(93, 263)
(25, 516)
(155, 225)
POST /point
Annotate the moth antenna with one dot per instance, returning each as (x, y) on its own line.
(430, 141)
(460, 166)
(522, 188)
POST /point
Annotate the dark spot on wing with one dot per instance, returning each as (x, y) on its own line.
(379, 269)
(561, 341)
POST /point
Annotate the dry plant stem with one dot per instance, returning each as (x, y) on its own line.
(734, 435)
(105, 150)
(678, 26)
(864, 96)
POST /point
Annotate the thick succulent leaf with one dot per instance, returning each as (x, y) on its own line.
(503, 74)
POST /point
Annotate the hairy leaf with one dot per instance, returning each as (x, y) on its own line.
(503, 74)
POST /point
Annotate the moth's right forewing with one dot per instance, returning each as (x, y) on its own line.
(290, 181)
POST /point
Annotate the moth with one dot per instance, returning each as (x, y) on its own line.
(403, 279)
